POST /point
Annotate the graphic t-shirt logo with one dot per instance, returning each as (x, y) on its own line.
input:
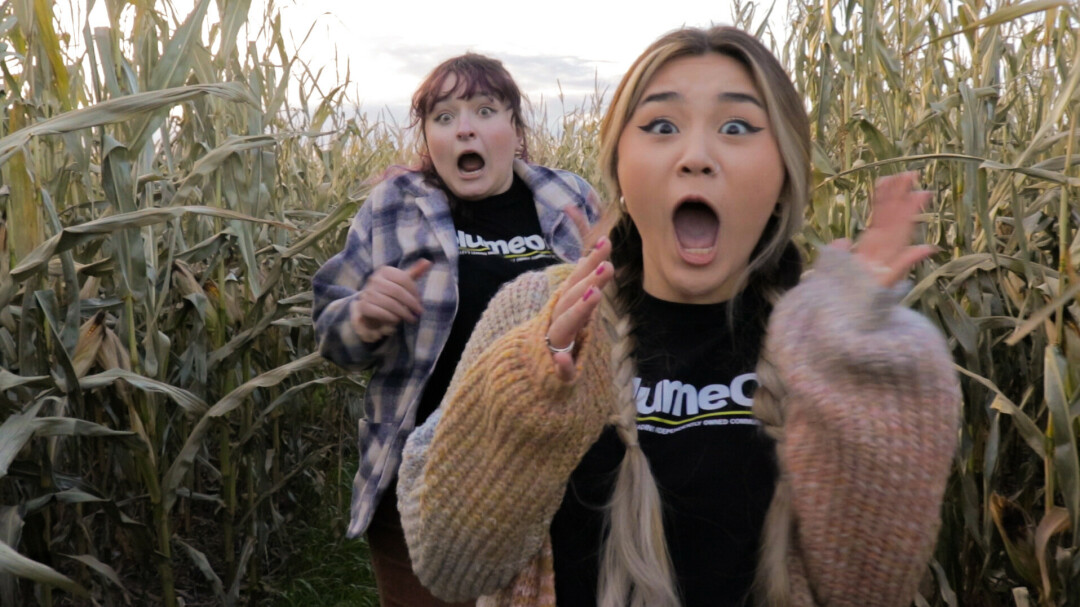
(517, 248)
(671, 405)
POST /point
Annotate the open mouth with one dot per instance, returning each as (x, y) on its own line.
(696, 228)
(470, 162)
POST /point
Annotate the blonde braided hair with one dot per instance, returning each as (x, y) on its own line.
(635, 567)
(772, 584)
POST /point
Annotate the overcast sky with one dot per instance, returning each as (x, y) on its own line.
(579, 45)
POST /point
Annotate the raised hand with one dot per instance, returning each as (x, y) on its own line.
(389, 297)
(575, 307)
(885, 246)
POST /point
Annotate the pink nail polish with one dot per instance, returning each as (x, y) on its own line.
(600, 269)
(588, 293)
(600, 242)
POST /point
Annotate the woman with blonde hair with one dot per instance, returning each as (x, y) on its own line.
(601, 442)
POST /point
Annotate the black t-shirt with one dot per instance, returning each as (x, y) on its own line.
(714, 466)
(498, 238)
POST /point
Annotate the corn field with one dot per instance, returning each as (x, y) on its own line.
(165, 200)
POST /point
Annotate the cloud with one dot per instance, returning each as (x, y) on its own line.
(537, 75)
(544, 71)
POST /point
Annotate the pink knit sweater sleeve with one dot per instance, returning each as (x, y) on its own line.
(481, 480)
(863, 400)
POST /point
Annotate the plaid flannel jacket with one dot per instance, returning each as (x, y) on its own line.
(404, 220)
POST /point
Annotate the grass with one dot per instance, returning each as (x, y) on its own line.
(329, 571)
(325, 568)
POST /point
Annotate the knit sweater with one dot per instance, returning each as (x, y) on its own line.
(859, 392)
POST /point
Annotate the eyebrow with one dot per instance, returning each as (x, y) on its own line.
(741, 98)
(658, 97)
(672, 95)
(448, 98)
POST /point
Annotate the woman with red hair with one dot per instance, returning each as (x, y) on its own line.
(424, 255)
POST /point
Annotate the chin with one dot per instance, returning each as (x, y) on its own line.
(702, 285)
(468, 192)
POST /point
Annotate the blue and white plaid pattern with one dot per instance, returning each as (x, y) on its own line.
(404, 220)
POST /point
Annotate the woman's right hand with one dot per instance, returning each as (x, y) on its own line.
(575, 307)
(389, 297)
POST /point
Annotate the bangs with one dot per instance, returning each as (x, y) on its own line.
(467, 86)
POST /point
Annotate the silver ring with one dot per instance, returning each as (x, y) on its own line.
(554, 350)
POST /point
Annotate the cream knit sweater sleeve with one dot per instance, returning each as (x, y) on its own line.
(863, 399)
(480, 481)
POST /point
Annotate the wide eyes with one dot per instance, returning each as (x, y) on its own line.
(660, 126)
(736, 126)
(444, 118)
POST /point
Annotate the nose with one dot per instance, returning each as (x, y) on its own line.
(697, 158)
(465, 129)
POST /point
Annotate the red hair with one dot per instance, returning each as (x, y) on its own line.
(474, 74)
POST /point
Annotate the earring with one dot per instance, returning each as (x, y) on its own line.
(622, 204)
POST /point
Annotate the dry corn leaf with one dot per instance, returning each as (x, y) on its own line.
(113, 354)
(1017, 532)
(88, 347)
(1054, 522)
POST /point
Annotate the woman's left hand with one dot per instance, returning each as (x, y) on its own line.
(885, 248)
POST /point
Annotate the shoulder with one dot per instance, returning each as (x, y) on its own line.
(571, 178)
(392, 203)
(545, 180)
(398, 189)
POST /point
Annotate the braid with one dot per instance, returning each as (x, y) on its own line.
(772, 584)
(635, 567)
